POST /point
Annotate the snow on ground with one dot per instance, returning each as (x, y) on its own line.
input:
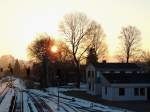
(19, 83)
(77, 103)
(25, 103)
(84, 103)
(2, 87)
(28, 104)
(32, 106)
(54, 106)
(53, 92)
(4, 107)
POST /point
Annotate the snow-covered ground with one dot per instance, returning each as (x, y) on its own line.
(2, 87)
(87, 104)
(19, 83)
(77, 104)
(32, 98)
(4, 106)
(27, 102)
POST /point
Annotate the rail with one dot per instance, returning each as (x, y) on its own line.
(13, 104)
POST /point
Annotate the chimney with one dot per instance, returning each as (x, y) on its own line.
(104, 61)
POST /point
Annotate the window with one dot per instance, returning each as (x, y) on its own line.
(136, 91)
(105, 90)
(139, 91)
(142, 91)
(89, 86)
(121, 91)
(98, 75)
(98, 78)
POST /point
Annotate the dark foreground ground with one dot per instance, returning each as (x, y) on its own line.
(138, 106)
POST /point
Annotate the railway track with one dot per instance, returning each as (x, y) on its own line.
(65, 104)
(3, 93)
(55, 101)
(79, 107)
(3, 90)
(13, 104)
(62, 105)
(44, 104)
(39, 103)
(36, 103)
(17, 102)
(74, 108)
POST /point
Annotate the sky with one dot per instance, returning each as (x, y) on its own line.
(21, 20)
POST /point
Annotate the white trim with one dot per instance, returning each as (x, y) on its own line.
(113, 94)
(130, 85)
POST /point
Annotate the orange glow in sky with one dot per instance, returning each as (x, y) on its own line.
(21, 20)
(54, 49)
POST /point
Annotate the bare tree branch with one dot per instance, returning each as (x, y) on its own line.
(130, 38)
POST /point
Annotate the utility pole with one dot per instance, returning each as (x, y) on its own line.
(58, 97)
(58, 83)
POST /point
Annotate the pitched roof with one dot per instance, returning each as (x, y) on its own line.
(116, 66)
(127, 77)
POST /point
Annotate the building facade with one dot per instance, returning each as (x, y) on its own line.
(117, 82)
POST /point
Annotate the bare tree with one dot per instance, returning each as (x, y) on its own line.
(145, 57)
(130, 38)
(120, 57)
(98, 40)
(64, 53)
(17, 68)
(75, 27)
(39, 49)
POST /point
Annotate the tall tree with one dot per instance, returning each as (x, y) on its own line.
(98, 40)
(5, 60)
(40, 50)
(75, 27)
(10, 69)
(92, 56)
(145, 57)
(64, 53)
(17, 68)
(130, 38)
(28, 72)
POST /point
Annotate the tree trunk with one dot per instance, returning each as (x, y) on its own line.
(127, 61)
(44, 75)
(77, 67)
(78, 76)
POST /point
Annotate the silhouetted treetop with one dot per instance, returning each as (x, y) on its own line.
(40, 48)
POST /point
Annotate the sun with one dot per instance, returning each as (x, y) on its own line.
(54, 49)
